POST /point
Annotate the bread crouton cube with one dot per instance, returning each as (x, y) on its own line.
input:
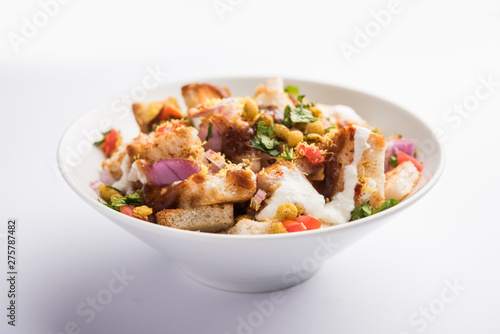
(148, 114)
(401, 180)
(211, 218)
(181, 143)
(250, 227)
(197, 93)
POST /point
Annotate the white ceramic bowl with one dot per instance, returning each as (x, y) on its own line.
(236, 262)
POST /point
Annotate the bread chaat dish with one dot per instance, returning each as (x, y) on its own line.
(274, 162)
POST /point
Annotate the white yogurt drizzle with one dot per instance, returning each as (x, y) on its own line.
(338, 211)
(296, 189)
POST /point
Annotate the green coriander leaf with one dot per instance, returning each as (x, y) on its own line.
(292, 90)
(362, 211)
(263, 141)
(135, 199)
(287, 153)
(274, 152)
(263, 130)
(268, 142)
(116, 205)
(393, 161)
(301, 115)
(386, 205)
(365, 209)
(209, 133)
(298, 114)
(131, 199)
(287, 121)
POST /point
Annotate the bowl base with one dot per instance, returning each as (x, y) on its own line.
(249, 285)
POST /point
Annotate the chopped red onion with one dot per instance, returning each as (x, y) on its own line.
(215, 159)
(395, 145)
(215, 142)
(168, 171)
(259, 196)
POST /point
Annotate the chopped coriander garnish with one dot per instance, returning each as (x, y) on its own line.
(262, 140)
(130, 199)
(362, 211)
(298, 114)
(365, 209)
(292, 90)
(300, 98)
(287, 153)
(386, 205)
(209, 133)
(393, 161)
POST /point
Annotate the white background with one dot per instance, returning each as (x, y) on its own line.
(428, 58)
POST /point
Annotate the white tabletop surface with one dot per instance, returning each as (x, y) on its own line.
(428, 56)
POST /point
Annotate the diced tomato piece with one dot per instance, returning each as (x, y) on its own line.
(170, 111)
(293, 226)
(312, 153)
(111, 140)
(311, 223)
(402, 157)
(127, 210)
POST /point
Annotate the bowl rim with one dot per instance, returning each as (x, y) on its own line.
(136, 223)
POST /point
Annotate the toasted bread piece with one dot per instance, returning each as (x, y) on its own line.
(148, 114)
(401, 180)
(340, 150)
(371, 177)
(212, 218)
(248, 226)
(181, 143)
(270, 177)
(197, 93)
(233, 186)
